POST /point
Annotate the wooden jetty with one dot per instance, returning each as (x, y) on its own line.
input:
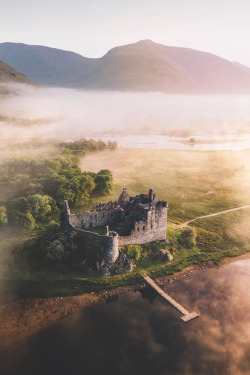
(186, 314)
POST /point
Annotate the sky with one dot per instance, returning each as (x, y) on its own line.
(92, 27)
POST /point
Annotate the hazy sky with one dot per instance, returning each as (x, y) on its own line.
(92, 27)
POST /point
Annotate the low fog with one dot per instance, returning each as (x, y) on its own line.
(67, 114)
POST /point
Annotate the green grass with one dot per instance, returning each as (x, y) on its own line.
(194, 184)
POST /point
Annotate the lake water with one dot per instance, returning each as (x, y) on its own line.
(140, 333)
(159, 141)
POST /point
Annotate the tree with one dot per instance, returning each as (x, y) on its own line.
(25, 220)
(187, 237)
(3, 216)
(56, 250)
(104, 182)
(39, 206)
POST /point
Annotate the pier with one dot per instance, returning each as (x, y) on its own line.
(186, 314)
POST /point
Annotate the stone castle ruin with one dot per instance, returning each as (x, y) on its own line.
(129, 220)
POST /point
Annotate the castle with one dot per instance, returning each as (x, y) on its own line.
(129, 220)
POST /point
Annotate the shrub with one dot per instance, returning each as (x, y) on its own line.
(133, 252)
(3, 216)
(187, 237)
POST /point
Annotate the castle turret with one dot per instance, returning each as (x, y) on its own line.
(151, 195)
(64, 217)
(124, 197)
(111, 247)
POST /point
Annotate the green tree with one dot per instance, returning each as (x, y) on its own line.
(56, 251)
(23, 219)
(39, 206)
(104, 182)
(187, 237)
(3, 216)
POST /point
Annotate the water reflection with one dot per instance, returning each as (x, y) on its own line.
(112, 298)
(149, 293)
(132, 336)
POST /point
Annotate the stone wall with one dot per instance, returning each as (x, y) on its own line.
(153, 229)
(106, 245)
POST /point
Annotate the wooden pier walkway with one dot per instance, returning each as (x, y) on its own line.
(186, 314)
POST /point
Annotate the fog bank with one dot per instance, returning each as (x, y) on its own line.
(69, 114)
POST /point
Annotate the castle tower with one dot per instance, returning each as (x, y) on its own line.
(151, 195)
(124, 197)
(111, 247)
(64, 217)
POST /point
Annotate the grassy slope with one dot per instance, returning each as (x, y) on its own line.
(8, 74)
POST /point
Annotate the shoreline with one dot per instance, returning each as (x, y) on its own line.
(178, 275)
(23, 318)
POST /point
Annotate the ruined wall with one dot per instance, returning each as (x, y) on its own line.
(153, 229)
(139, 220)
(107, 244)
(98, 216)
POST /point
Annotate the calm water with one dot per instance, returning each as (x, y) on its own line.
(139, 333)
(158, 141)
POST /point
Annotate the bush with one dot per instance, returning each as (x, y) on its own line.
(56, 251)
(133, 252)
(3, 216)
(187, 237)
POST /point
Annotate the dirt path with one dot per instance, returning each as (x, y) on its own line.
(215, 214)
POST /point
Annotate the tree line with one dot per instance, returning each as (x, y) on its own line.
(32, 191)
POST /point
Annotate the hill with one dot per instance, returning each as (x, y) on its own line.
(8, 74)
(45, 65)
(142, 66)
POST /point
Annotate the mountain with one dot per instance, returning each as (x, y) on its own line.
(142, 66)
(46, 66)
(8, 74)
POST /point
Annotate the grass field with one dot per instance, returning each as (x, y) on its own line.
(194, 183)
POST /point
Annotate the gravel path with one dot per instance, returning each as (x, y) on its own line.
(215, 214)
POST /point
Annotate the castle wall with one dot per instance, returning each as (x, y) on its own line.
(86, 220)
(143, 218)
(106, 245)
(153, 229)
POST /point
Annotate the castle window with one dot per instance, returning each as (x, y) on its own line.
(143, 227)
(138, 229)
(151, 226)
(90, 225)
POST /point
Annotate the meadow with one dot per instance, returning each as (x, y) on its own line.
(194, 183)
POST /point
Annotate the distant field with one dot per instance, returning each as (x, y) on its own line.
(194, 183)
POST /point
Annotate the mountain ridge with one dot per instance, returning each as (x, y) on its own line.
(8, 74)
(141, 66)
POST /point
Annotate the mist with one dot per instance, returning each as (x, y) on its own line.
(67, 114)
